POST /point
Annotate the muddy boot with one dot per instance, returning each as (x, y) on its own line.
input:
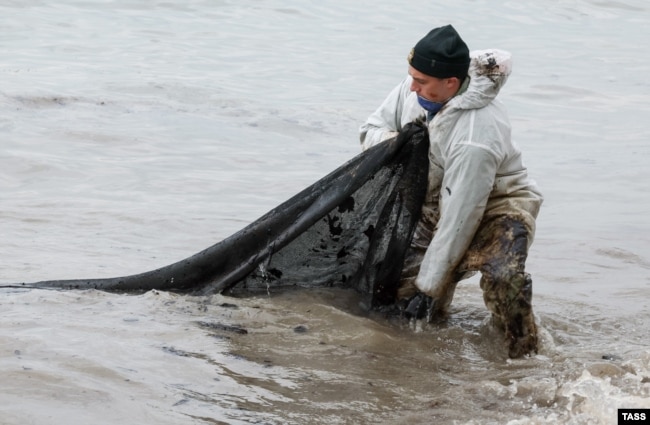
(521, 331)
(511, 307)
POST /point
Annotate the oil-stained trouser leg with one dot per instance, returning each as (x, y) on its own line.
(499, 250)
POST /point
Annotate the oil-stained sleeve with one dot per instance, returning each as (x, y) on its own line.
(466, 185)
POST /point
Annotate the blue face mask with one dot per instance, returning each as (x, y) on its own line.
(431, 107)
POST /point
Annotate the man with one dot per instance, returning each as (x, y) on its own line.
(480, 209)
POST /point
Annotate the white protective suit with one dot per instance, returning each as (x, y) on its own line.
(475, 168)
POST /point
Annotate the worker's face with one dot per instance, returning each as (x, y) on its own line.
(432, 88)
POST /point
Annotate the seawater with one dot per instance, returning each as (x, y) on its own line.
(134, 134)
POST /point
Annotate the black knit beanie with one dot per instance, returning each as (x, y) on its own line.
(441, 54)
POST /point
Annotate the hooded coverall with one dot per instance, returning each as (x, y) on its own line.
(480, 209)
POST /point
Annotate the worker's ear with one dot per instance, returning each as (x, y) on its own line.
(452, 81)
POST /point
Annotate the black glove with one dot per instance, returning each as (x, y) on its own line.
(419, 306)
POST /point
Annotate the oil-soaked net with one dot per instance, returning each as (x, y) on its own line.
(351, 228)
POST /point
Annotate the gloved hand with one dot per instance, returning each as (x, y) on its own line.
(416, 126)
(419, 306)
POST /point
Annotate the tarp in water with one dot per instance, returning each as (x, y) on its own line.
(350, 229)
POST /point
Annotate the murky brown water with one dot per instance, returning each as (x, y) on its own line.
(134, 134)
(302, 357)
